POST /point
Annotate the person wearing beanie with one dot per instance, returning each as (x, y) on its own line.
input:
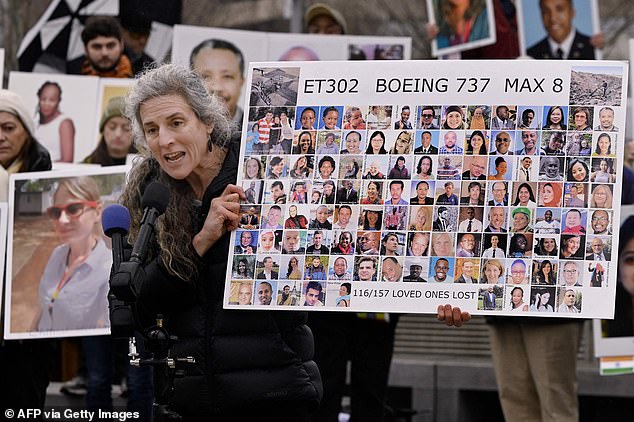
(323, 19)
(116, 136)
(453, 118)
(19, 150)
(24, 364)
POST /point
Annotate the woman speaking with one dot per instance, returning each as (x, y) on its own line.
(248, 364)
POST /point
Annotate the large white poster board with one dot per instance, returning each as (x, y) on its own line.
(370, 204)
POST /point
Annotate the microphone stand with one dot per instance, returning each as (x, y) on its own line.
(165, 368)
(126, 280)
(124, 286)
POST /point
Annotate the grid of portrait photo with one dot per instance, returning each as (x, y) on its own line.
(515, 199)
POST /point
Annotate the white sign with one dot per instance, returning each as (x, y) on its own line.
(399, 186)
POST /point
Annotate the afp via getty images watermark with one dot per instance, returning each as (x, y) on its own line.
(67, 414)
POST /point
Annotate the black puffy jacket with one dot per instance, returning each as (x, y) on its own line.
(246, 361)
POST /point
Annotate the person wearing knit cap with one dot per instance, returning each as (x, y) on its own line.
(116, 136)
(24, 364)
(453, 118)
(19, 150)
(323, 19)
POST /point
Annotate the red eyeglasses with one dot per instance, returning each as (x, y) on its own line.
(73, 210)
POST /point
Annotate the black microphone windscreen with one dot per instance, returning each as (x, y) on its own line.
(115, 217)
(157, 196)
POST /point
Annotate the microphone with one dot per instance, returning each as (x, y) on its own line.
(115, 221)
(154, 202)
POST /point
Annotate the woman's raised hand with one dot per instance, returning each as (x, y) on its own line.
(223, 216)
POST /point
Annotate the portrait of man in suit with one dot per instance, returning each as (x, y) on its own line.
(499, 195)
(347, 194)
(246, 246)
(425, 144)
(488, 301)
(563, 41)
(249, 220)
(477, 167)
(473, 195)
(268, 273)
(466, 275)
(599, 251)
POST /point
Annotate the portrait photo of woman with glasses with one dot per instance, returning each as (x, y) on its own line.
(73, 290)
(60, 258)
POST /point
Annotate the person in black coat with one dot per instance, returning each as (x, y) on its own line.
(248, 365)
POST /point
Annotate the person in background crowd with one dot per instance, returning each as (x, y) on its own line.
(519, 345)
(371, 359)
(136, 32)
(103, 48)
(220, 64)
(24, 364)
(54, 129)
(323, 19)
(116, 136)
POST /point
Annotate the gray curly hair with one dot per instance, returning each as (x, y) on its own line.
(174, 230)
(171, 79)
